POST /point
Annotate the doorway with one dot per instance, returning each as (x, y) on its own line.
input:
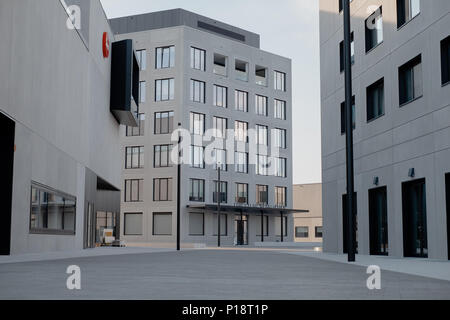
(415, 219)
(378, 223)
(241, 230)
(7, 132)
(345, 222)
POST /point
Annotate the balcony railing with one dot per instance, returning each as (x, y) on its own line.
(220, 70)
(261, 81)
(241, 75)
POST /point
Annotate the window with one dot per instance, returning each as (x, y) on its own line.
(240, 131)
(375, 100)
(302, 232)
(241, 70)
(343, 117)
(142, 91)
(261, 76)
(262, 194)
(139, 130)
(280, 109)
(319, 232)
(342, 53)
(52, 211)
(223, 225)
(278, 226)
(141, 56)
(198, 59)
(134, 158)
(407, 10)
(162, 223)
(220, 126)
(134, 190)
(261, 105)
(241, 162)
(132, 224)
(197, 157)
(220, 159)
(241, 100)
(265, 227)
(196, 190)
(374, 29)
(164, 122)
(280, 196)
(280, 167)
(261, 135)
(241, 193)
(196, 224)
(197, 91)
(279, 80)
(223, 192)
(220, 64)
(410, 80)
(162, 156)
(262, 164)
(220, 96)
(162, 189)
(197, 121)
(165, 57)
(280, 138)
(164, 90)
(445, 60)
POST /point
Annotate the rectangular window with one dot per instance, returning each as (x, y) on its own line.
(302, 232)
(220, 96)
(279, 80)
(162, 189)
(241, 193)
(139, 130)
(162, 223)
(164, 122)
(241, 70)
(164, 89)
(134, 190)
(374, 29)
(278, 226)
(262, 165)
(220, 126)
(407, 10)
(261, 105)
(280, 196)
(241, 100)
(197, 91)
(220, 64)
(134, 158)
(198, 59)
(197, 123)
(220, 159)
(262, 194)
(375, 100)
(241, 162)
(162, 156)
(141, 56)
(223, 192)
(280, 138)
(342, 54)
(343, 116)
(223, 225)
(445, 60)
(196, 190)
(261, 76)
(280, 109)
(165, 57)
(197, 157)
(196, 224)
(142, 91)
(280, 167)
(319, 232)
(410, 80)
(262, 135)
(132, 224)
(265, 226)
(241, 131)
(52, 211)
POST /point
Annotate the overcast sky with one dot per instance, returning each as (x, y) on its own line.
(287, 27)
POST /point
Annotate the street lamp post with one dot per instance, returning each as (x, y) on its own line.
(219, 189)
(179, 190)
(349, 132)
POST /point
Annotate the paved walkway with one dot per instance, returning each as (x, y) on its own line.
(209, 274)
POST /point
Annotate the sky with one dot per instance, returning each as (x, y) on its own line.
(289, 28)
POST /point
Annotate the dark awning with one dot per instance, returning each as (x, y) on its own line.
(238, 209)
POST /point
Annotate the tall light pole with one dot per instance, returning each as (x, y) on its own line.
(349, 132)
(219, 189)
(179, 190)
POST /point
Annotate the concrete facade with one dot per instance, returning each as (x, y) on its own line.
(183, 34)
(308, 197)
(415, 135)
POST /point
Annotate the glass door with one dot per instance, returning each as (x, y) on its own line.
(241, 230)
(378, 224)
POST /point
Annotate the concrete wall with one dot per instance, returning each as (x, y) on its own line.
(416, 135)
(308, 197)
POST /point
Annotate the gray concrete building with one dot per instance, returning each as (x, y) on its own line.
(61, 163)
(205, 74)
(401, 126)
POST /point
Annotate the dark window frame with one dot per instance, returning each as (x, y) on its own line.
(370, 90)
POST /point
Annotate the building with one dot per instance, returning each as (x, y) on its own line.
(308, 225)
(401, 126)
(205, 74)
(61, 175)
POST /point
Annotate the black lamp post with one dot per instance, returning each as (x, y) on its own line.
(179, 190)
(349, 132)
(219, 189)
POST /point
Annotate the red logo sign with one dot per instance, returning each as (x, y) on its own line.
(105, 45)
